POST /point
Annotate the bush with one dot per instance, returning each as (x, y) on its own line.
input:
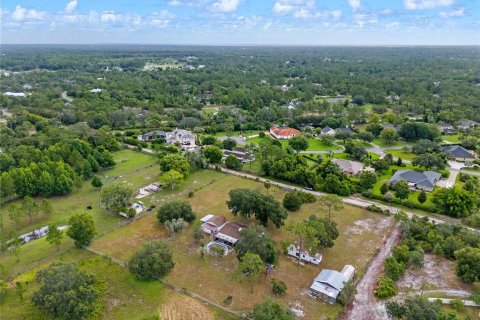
(278, 287)
(175, 210)
(152, 261)
(385, 288)
(218, 250)
(233, 163)
(394, 269)
(292, 201)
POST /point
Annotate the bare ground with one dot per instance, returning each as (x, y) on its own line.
(365, 305)
(185, 308)
(436, 277)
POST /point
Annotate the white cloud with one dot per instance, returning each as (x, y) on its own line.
(336, 13)
(455, 13)
(267, 26)
(386, 11)
(71, 6)
(161, 19)
(361, 19)
(393, 25)
(225, 5)
(24, 14)
(110, 16)
(279, 7)
(354, 4)
(426, 4)
(175, 3)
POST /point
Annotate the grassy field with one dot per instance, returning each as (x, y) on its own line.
(216, 278)
(135, 168)
(244, 133)
(454, 138)
(399, 153)
(124, 296)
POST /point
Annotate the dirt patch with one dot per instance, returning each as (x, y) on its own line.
(368, 225)
(365, 304)
(185, 308)
(436, 276)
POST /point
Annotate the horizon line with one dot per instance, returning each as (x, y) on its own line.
(239, 44)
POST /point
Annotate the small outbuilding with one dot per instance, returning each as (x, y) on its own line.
(329, 283)
(298, 253)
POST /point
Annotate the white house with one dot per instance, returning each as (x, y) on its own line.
(294, 250)
(211, 224)
(96, 90)
(327, 131)
(283, 133)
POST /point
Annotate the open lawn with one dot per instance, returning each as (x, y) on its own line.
(244, 133)
(345, 156)
(216, 278)
(125, 297)
(453, 138)
(314, 144)
(399, 153)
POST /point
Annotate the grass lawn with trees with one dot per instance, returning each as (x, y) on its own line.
(217, 278)
(314, 144)
(399, 153)
(399, 143)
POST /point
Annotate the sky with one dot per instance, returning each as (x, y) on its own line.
(242, 22)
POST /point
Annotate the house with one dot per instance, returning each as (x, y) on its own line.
(350, 168)
(135, 208)
(96, 90)
(467, 124)
(15, 94)
(185, 138)
(420, 180)
(295, 251)
(211, 224)
(344, 130)
(446, 128)
(458, 153)
(229, 233)
(241, 154)
(152, 135)
(329, 283)
(283, 133)
(327, 131)
(293, 104)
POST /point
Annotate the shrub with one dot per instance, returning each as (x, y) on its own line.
(385, 288)
(292, 201)
(152, 261)
(278, 287)
(218, 250)
(394, 269)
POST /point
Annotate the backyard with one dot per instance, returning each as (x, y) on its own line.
(217, 279)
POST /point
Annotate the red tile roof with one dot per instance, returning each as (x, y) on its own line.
(285, 131)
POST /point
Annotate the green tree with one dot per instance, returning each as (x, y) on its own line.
(394, 269)
(233, 163)
(367, 180)
(256, 240)
(229, 144)
(267, 185)
(298, 143)
(14, 214)
(175, 210)
(249, 203)
(384, 188)
(327, 140)
(175, 162)
(417, 308)
(422, 197)
(54, 236)
(331, 203)
(175, 225)
(45, 207)
(430, 160)
(97, 182)
(389, 135)
(68, 293)
(213, 154)
(455, 202)
(29, 208)
(116, 196)
(251, 267)
(355, 149)
(279, 287)
(171, 178)
(271, 309)
(292, 201)
(152, 261)
(468, 264)
(82, 229)
(401, 189)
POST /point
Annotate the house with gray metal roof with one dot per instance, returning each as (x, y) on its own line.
(152, 135)
(420, 180)
(327, 131)
(458, 153)
(329, 283)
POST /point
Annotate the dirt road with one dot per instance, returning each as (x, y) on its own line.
(365, 304)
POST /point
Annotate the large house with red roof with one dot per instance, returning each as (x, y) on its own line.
(284, 132)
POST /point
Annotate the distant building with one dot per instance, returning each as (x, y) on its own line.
(211, 224)
(185, 138)
(152, 135)
(344, 130)
(467, 124)
(96, 90)
(15, 94)
(419, 180)
(446, 128)
(229, 233)
(458, 153)
(350, 168)
(298, 253)
(329, 283)
(284, 133)
(241, 154)
(327, 131)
